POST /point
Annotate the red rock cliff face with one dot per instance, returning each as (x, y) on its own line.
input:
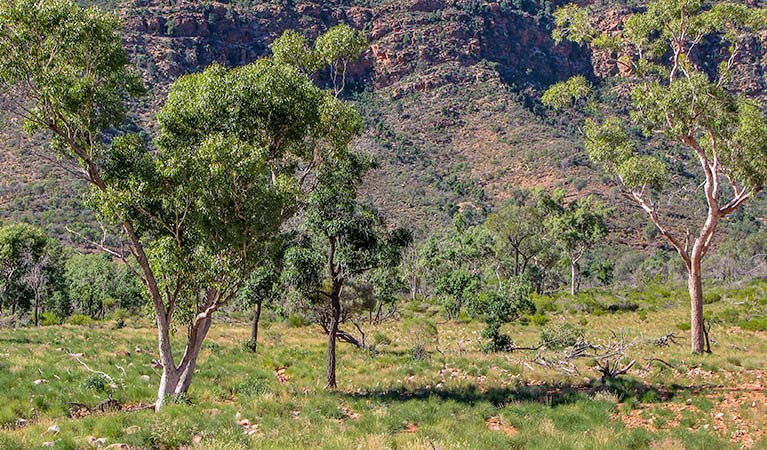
(406, 38)
(410, 40)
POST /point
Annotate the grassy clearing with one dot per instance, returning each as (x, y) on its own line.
(454, 398)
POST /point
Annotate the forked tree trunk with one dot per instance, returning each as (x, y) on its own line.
(695, 287)
(335, 305)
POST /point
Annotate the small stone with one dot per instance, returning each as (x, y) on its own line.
(118, 447)
(146, 378)
(197, 440)
(48, 444)
(138, 350)
(21, 423)
(718, 415)
(689, 401)
(40, 381)
(132, 429)
(54, 428)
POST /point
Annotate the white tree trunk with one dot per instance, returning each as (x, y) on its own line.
(573, 277)
(694, 284)
(175, 380)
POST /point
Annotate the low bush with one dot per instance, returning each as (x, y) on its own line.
(418, 352)
(48, 319)
(755, 324)
(79, 320)
(561, 336)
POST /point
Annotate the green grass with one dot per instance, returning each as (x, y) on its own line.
(388, 400)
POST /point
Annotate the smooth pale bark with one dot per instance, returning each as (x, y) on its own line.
(695, 287)
(573, 277)
(175, 380)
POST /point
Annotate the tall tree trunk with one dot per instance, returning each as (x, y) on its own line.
(573, 277)
(335, 305)
(695, 287)
(254, 328)
(37, 310)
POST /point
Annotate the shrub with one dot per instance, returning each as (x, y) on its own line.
(499, 342)
(418, 352)
(96, 382)
(79, 320)
(212, 346)
(539, 319)
(296, 321)
(49, 319)
(755, 324)
(711, 297)
(254, 386)
(120, 314)
(250, 345)
(622, 307)
(381, 339)
(423, 332)
(684, 326)
(561, 336)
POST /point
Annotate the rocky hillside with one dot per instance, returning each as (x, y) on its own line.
(449, 89)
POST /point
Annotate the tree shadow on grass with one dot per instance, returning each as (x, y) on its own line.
(20, 340)
(550, 394)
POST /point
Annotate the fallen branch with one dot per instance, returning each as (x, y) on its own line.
(670, 338)
(538, 347)
(97, 372)
(611, 368)
(652, 360)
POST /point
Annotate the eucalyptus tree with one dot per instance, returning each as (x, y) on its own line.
(93, 280)
(503, 305)
(263, 288)
(674, 94)
(576, 227)
(342, 240)
(455, 261)
(333, 50)
(200, 211)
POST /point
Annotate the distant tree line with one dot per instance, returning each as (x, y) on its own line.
(43, 280)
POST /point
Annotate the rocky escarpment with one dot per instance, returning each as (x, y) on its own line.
(407, 38)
